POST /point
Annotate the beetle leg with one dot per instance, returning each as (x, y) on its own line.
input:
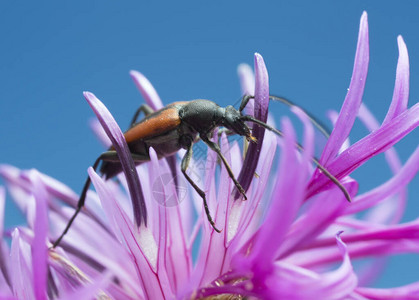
(145, 108)
(217, 149)
(110, 156)
(184, 166)
(244, 102)
(228, 132)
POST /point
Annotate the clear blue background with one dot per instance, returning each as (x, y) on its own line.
(51, 51)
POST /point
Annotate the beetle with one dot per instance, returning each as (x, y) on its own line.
(178, 126)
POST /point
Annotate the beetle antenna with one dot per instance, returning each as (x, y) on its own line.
(301, 148)
(316, 122)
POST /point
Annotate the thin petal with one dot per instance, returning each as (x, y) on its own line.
(248, 211)
(353, 98)
(91, 290)
(198, 274)
(318, 217)
(93, 247)
(247, 84)
(288, 195)
(371, 145)
(2, 205)
(372, 124)
(100, 133)
(409, 231)
(141, 246)
(4, 262)
(336, 284)
(147, 90)
(39, 246)
(247, 79)
(398, 202)
(407, 292)
(22, 280)
(261, 113)
(215, 250)
(18, 187)
(387, 189)
(308, 133)
(174, 260)
(401, 87)
(374, 248)
(333, 116)
(293, 282)
(114, 133)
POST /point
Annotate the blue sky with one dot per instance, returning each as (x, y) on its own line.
(51, 52)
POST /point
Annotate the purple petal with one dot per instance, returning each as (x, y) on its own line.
(19, 188)
(371, 145)
(261, 113)
(372, 124)
(4, 253)
(141, 246)
(407, 292)
(247, 84)
(2, 205)
(288, 195)
(247, 79)
(209, 187)
(173, 259)
(68, 274)
(247, 211)
(401, 87)
(22, 279)
(225, 187)
(308, 132)
(372, 243)
(409, 231)
(371, 271)
(353, 98)
(39, 247)
(115, 134)
(92, 247)
(198, 275)
(214, 249)
(293, 282)
(389, 188)
(100, 133)
(318, 217)
(17, 179)
(336, 284)
(147, 90)
(393, 161)
(59, 190)
(91, 290)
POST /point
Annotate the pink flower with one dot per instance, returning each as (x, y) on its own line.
(144, 237)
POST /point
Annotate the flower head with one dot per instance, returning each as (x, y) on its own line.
(145, 236)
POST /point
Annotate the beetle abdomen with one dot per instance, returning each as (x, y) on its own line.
(155, 124)
(161, 130)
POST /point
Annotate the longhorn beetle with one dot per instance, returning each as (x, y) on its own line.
(180, 125)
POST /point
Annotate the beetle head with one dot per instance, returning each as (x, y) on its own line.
(233, 120)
